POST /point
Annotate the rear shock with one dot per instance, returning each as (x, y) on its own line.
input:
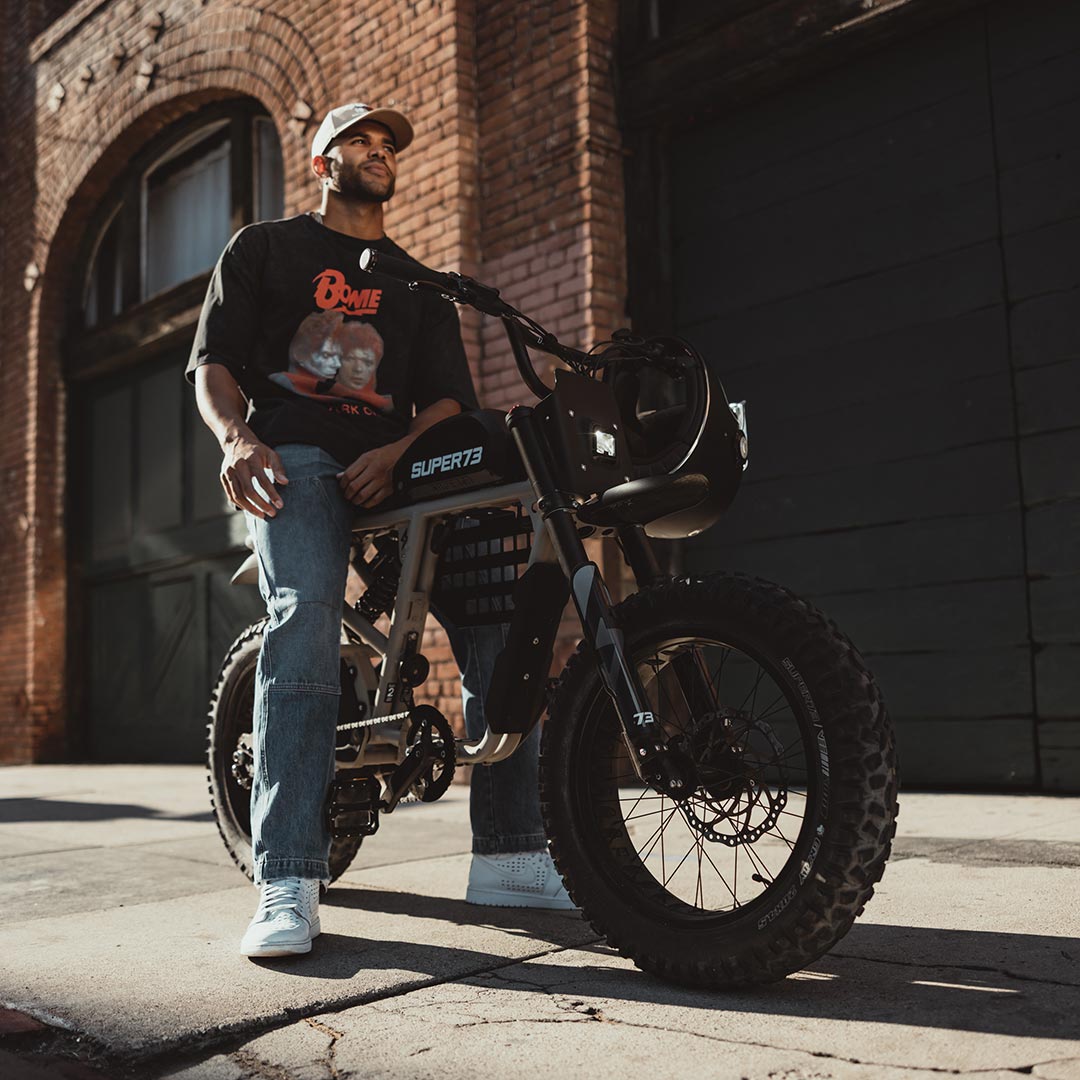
(381, 575)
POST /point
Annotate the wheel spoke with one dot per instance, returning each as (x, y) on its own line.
(656, 835)
(736, 890)
(746, 759)
(780, 835)
(758, 864)
(779, 700)
(715, 685)
(699, 892)
(753, 689)
(639, 798)
(648, 813)
(720, 876)
(663, 861)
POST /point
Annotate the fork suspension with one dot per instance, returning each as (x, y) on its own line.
(641, 726)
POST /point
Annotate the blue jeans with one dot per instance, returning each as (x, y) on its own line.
(303, 556)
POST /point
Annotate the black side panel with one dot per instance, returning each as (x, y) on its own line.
(464, 452)
(515, 698)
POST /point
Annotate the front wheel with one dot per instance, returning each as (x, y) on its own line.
(767, 863)
(229, 761)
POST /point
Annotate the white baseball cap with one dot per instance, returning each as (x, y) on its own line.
(344, 116)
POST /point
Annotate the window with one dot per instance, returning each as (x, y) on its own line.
(104, 288)
(182, 201)
(269, 175)
(187, 212)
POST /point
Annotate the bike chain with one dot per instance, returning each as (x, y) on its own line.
(434, 789)
(375, 721)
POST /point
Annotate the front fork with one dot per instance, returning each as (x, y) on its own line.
(663, 769)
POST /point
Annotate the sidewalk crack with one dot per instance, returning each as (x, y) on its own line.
(330, 1060)
(255, 1068)
(592, 1013)
(1008, 973)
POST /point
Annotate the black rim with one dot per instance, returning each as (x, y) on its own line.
(737, 842)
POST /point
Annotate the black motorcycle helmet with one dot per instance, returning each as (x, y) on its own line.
(677, 421)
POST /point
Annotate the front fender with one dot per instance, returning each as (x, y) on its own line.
(247, 573)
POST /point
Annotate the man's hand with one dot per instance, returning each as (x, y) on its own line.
(245, 476)
(369, 479)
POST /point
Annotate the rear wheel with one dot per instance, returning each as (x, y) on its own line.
(769, 860)
(229, 760)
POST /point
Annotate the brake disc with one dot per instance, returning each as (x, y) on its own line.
(733, 791)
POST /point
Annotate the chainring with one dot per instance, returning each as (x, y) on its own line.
(429, 729)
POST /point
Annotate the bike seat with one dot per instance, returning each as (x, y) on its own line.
(648, 499)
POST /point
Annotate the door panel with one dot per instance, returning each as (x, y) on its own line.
(175, 675)
(838, 253)
(159, 466)
(230, 608)
(207, 497)
(114, 645)
(159, 609)
(110, 472)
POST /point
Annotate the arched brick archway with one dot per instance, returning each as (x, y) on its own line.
(53, 648)
(81, 150)
(59, 442)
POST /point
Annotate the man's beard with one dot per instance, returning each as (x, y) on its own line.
(354, 183)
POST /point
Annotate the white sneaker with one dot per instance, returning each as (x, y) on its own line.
(287, 919)
(523, 879)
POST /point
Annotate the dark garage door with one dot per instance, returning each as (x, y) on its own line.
(156, 548)
(884, 261)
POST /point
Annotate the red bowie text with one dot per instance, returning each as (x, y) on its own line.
(333, 293)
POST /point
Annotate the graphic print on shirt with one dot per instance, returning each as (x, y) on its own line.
(334, 293)
(333, 358)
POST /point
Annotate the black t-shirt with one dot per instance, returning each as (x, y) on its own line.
(327, 354)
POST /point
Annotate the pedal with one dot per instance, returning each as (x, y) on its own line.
(353, 804)
(406, 774)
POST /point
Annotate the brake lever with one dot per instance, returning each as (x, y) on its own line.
(484, 298)
(433, 286)
(469, 292)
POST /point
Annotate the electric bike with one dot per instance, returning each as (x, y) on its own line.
(718, 773)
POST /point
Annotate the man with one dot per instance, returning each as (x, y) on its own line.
(286, 313)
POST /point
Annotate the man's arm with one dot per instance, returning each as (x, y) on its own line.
(369, 479)
(223, 408)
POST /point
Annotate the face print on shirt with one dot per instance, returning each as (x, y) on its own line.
(331, 358)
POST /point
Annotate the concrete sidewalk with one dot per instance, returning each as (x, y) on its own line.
(124, 912)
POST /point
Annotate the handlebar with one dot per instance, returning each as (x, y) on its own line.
(522, 331)
(453, 286)
(403, 270)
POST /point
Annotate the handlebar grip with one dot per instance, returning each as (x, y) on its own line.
(372, 260)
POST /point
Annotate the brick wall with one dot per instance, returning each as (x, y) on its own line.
(549, 206)
(515, 176)
(19, 729)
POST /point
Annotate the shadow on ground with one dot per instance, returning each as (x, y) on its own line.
(978, 981)
(47, 809)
